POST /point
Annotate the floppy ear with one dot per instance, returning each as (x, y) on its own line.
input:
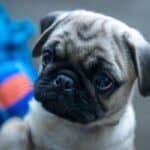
(140, 50)
(47, 25)
(49, 19)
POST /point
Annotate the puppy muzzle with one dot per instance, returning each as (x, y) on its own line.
(64, 95)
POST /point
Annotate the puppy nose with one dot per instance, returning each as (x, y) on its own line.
(63, 82)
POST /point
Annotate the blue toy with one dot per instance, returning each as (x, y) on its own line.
(17, 73)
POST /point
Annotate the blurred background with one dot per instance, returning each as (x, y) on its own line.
(135, 13)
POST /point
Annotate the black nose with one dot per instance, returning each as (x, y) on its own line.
(63, 82)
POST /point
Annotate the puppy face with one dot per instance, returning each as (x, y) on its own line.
(88, 67)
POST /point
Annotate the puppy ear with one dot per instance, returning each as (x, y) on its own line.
(49, 19)
(140, 49)
(47, 25)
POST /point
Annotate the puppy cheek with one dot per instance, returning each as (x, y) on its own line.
(40, 89)
(118, 100)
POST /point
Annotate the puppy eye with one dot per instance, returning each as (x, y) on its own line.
(47, 56)
(104, 83)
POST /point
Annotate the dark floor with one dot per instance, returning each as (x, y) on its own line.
(134, 12)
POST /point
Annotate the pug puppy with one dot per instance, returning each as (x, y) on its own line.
(82, 97)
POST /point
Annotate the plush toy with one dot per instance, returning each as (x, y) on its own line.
(16, 73)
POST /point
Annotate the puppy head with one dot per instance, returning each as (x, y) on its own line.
(89, 64)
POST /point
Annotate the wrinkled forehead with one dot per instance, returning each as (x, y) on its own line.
(85, 39)
(80, 36)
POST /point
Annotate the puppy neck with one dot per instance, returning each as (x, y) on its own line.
(49, 131)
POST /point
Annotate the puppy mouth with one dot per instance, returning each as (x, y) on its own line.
(67, 100)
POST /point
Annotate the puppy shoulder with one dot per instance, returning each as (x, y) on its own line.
(15, 135)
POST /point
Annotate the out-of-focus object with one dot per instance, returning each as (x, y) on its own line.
(15, 88)
(3, 115)
(17, 73)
